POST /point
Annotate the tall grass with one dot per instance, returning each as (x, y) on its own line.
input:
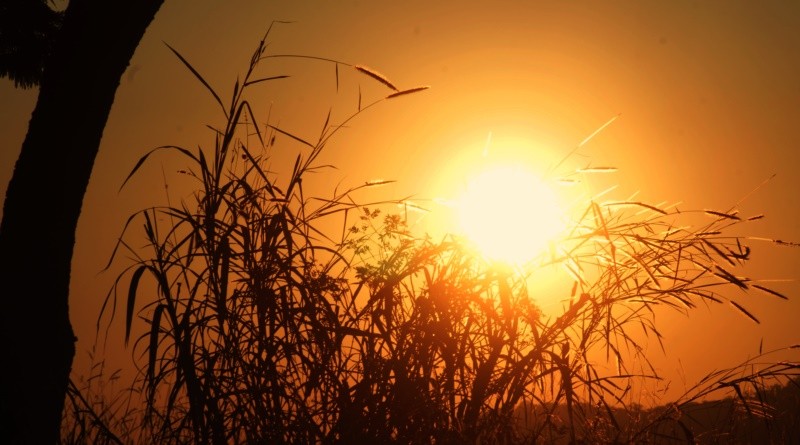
(265, 326)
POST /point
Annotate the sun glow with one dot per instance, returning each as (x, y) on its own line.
(509, 214)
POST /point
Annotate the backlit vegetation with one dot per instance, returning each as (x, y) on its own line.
(265, 325)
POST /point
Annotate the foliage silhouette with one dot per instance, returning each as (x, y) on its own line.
(27, 33)
(265, 328)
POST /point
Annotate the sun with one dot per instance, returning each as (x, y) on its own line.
(509, 214)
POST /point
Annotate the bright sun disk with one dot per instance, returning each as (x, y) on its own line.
(509, 214)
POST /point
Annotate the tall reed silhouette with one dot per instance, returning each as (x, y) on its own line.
(265, 328)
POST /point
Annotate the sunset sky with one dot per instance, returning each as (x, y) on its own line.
(707, 93)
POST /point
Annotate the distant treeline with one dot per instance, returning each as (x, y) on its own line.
(769, 416)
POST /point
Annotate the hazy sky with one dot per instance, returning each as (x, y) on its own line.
(708, 95)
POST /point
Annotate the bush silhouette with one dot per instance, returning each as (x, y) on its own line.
(263, 327)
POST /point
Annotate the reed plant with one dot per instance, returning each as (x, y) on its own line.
(98, 410)
(266, 326)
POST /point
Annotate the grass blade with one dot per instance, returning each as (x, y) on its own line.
(265, 79)
(296, 138)
(408, 91)
(744, 311)
(770, 291)
(376, 75)
(134, 285)
(199, 77)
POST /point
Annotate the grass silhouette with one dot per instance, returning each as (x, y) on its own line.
(263, 327)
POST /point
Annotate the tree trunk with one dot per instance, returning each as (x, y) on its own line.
(42, 205)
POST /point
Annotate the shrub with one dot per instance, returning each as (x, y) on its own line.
(265, 328)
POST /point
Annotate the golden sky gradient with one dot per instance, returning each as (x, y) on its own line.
(707, 93)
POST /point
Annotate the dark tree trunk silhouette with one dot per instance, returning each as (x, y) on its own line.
(43, 202)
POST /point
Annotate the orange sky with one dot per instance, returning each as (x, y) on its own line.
(709, 96)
